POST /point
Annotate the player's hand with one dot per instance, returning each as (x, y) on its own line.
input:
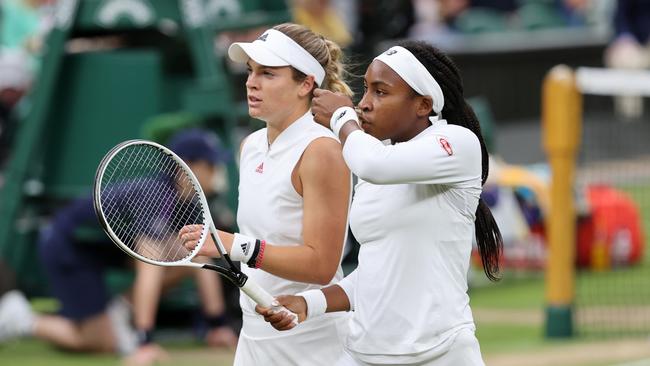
(325, 102)
(148, 354)
(281, 320)
(190, 235)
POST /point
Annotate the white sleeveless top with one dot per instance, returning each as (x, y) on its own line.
(271, 209)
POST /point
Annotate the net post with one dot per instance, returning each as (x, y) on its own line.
(561, 125)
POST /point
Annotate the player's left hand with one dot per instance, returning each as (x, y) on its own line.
(325, 102)
(281, 320)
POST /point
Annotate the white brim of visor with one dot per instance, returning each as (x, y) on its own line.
(275, 49)
(241, 52)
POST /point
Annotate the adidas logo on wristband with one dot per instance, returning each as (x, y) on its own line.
(341, 116)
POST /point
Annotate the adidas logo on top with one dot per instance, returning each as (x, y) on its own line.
(260, 168)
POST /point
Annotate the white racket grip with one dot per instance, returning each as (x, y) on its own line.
(263, 298)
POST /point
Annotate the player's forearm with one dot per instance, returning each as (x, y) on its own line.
(300, 263)
(312, 263)
(337, 299)
(326, 300)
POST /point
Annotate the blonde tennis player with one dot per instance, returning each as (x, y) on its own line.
(421, 161)
(294, 194)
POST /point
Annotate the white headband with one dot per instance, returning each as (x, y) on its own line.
(274, 48)
(411, 70)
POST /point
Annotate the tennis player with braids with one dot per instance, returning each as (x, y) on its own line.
(421, 163)
(294, 194)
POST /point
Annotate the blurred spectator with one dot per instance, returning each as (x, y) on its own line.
(24, 23)
(630, 49)
(348, 10)
(476, 16)
(430, 17)
(15, 80)
(20, 22)
(89, 321)
(574, 12)
(321, 17)
(380, 20)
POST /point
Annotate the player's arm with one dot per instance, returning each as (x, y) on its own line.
(326, 186)
(431, 159)
(312, 303)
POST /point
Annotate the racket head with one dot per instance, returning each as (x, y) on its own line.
(143, 195)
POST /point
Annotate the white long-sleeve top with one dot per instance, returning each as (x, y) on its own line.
(413, 214)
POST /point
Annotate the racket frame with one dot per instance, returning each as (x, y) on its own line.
(240, 279)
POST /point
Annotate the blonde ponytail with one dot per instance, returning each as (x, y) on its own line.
(335, 73)
(326, 52)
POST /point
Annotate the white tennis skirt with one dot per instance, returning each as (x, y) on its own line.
(318, 346)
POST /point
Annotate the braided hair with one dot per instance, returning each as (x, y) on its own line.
(457, 111)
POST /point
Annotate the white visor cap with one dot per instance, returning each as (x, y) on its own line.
(275, 49)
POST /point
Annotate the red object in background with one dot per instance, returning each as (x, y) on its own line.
(612, 235)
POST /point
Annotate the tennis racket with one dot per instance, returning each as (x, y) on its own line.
(143, 195)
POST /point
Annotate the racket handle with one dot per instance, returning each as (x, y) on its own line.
(263, 298)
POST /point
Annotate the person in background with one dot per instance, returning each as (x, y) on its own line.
(630, 49)
(380, 20)
(88, 320)
(15, 81)
(321, 17)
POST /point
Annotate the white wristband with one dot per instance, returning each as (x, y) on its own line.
(340, 116)
(243, 248)
(316, 302)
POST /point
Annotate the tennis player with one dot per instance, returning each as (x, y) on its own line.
(294, 194)
(421, 161)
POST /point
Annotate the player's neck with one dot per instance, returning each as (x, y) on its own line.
(275, 128)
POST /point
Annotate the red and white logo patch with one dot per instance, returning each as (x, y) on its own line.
(260, 168)
(445, 145)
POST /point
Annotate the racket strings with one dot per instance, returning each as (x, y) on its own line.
(146, 197)
(158, 239)
(128, 193)
(130, 198)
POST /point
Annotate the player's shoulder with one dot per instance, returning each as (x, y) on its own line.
(322, 160)
(458, 131)
(459, 134)
(323, 151)
(324, 146)
(321, 140)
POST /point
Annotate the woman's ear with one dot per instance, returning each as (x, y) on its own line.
(424, 106)
(307, 86)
